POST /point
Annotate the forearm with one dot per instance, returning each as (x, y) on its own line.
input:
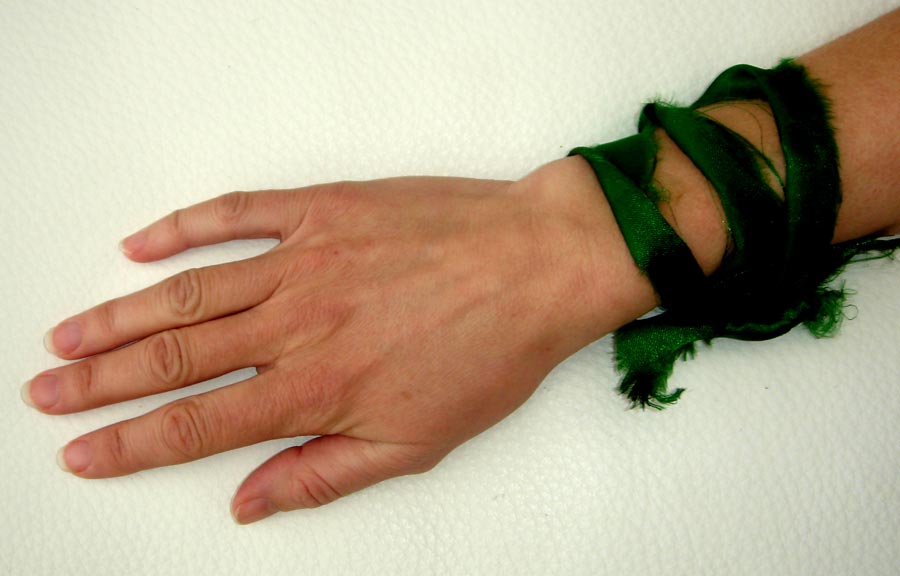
(860, 77)
(861, 73)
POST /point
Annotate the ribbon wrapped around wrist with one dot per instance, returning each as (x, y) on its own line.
(780, 261)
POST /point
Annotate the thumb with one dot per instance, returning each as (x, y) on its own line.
(321, 471)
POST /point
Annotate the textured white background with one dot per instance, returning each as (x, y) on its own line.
(782, 457)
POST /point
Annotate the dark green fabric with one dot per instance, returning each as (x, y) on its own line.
(780, 258)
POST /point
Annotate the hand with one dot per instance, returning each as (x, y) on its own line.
(396, 319)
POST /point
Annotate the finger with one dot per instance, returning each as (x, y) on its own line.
(261, 408)
(261, 214)
(165, 361)
(186, 298)
(321, 471)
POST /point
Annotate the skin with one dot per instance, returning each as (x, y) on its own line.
(398, 318)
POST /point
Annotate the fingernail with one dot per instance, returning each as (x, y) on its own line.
(254, 510)
(74, 457)
(26, 394)
(42, 391)
(63, 339)
(133, 243)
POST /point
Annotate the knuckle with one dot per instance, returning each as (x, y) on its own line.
(309, 489)
(86, 378)
(318, 392)
(411, 462)
(337, 191)
(176, 221)
(342, 192)
(229, 209)
(167, 360)
(422, 465)
(315, 319)
(316, 401)
(117, 448)
(309, 396)
(106, 316)
(183, 295)
(185, 429)
(304, 495)
(330, 201)
(314, 260)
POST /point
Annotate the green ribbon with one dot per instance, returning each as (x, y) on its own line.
(780, 259)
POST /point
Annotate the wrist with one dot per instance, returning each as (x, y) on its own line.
(589, 272)
(602, 288)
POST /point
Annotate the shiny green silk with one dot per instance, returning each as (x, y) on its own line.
(780, 258)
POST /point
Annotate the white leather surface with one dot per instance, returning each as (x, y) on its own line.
(781, 458)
